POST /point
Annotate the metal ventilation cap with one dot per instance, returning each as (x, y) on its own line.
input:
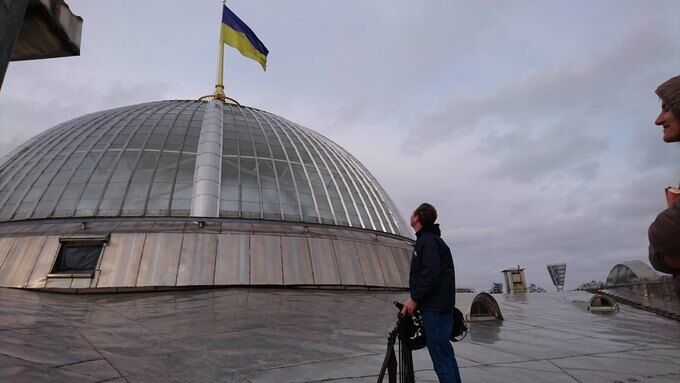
(478, 307)
(602, 304)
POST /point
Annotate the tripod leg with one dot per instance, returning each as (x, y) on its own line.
(392, 368)
(406, 373)
(389, 362)
(409, 374)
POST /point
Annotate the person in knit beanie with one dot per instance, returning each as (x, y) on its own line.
(664, 232)
(669, 118)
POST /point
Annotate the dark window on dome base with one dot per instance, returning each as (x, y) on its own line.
(76, 258)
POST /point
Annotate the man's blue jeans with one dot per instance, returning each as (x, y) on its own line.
(437, 327)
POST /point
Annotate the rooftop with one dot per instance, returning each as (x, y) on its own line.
(307, 335)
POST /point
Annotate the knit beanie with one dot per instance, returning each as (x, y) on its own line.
(669, 92)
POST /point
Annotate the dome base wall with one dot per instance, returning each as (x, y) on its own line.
(151, 254)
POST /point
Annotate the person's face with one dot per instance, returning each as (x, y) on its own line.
(670, 123)
(414, 220)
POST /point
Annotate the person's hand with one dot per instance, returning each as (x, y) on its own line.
(409, 307)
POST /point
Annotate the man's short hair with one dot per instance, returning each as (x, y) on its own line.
(426, 214)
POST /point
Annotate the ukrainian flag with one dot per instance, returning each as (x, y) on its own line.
(238, 35)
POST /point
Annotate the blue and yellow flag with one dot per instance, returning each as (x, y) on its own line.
(237, 34)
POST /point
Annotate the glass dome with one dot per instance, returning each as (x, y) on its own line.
(140, 161)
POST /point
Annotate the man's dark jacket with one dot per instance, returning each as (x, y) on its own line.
(432, 281)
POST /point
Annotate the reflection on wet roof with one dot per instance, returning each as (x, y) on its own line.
(277, 335)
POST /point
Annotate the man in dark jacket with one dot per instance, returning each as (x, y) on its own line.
(664, 233)
(432, 286)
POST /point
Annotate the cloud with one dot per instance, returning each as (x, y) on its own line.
(558, 164)
(560, 150)
(25, 113)
(578, 90)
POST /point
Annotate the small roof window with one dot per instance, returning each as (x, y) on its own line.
(78, 256)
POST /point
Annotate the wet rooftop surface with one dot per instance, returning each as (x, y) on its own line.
(278, 335)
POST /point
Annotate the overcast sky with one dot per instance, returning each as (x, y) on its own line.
(528, 124)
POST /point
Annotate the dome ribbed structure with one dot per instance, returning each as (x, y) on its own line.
(139, 161)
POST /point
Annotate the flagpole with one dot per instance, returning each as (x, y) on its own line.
(219, 87)
(219, 94)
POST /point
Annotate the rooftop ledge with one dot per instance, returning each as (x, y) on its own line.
(49, 30)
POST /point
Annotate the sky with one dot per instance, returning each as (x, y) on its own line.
(528, 124)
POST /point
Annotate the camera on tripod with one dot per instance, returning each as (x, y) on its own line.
(409, 335)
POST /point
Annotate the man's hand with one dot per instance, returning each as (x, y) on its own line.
(409, 307)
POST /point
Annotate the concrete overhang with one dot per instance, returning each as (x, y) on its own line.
(49, 30)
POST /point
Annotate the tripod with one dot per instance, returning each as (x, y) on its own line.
(405, 365)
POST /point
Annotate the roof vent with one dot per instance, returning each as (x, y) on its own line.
(478, 307)
(602, 304)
